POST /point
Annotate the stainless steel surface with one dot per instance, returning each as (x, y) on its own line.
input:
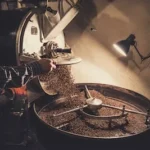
(93, 103)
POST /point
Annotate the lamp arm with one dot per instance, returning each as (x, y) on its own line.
(141, 56)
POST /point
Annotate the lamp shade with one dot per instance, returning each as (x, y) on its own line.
(123, 46)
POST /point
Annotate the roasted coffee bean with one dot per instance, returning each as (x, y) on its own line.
(61, 81)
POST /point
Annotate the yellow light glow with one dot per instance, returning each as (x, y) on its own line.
(119, 49)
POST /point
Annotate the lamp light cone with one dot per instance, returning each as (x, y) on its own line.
(123, 46)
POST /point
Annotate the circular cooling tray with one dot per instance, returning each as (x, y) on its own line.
(64, 137)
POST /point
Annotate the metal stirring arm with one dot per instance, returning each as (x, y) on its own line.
(88, 94)
(95, 104)
(69, 111)
(78, 108)
(126, 110)
(114, 107)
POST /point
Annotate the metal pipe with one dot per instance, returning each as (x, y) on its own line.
(69, 111)
(103, 105)
(61, 126)
(126, 110)
(88, 93)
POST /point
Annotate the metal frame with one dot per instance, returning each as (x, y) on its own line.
(62, 23)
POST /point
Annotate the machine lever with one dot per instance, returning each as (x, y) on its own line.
(60, 50)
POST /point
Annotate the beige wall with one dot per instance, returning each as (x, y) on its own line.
(113, 21)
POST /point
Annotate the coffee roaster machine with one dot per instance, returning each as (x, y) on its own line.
(29, 34)
(31, 30)
(34, 29)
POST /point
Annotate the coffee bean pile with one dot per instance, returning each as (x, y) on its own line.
(60, 80)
